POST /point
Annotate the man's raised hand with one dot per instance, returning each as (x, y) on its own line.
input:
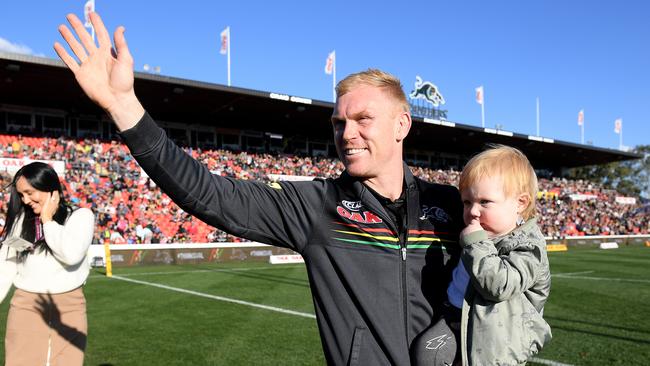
(105, 74)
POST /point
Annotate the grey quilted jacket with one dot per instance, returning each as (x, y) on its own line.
(510, 281)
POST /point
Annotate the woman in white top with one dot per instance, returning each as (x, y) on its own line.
(43, 254)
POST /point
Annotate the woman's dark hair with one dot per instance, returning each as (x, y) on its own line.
(42, 177)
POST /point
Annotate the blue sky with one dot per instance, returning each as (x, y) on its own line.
(591, 55)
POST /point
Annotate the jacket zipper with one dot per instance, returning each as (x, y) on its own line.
(403, 238)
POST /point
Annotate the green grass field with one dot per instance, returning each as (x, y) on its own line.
(599, 311)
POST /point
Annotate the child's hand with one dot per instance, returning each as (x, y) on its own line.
(474, 225)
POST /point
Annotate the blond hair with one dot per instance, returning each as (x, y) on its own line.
(508, 163)
(377, 78)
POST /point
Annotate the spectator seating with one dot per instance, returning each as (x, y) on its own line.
(130, 208)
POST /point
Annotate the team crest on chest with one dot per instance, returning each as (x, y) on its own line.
(434, 213)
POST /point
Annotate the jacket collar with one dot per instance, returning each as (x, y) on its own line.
(361, 190)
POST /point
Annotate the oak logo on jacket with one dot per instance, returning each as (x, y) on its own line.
(353, 210)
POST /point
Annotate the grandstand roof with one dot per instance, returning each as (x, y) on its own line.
(46, 83)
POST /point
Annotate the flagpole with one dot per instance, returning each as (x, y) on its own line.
(229, 40)
(334, 78)
(620, 138)
(537, 116)
(93, 28)
(582, 131)
(93, 33)
(89, 7)
(483, 110)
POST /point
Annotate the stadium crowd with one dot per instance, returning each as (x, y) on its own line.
(131, 209)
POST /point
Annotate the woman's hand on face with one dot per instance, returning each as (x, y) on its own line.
(50, 206)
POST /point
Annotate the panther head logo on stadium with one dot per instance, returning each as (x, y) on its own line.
(427, 91)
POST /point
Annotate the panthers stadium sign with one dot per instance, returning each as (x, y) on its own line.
(425, 93)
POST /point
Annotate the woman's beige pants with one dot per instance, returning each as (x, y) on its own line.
(46, 329)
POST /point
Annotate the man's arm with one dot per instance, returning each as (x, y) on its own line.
(254, 211)
(280, 214)
(104, 73)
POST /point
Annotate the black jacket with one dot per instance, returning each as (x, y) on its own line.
(373, 291)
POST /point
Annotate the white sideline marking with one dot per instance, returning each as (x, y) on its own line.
(603, 278)
(548, 362)
(156, 273)
(219, 298)
(571, 273)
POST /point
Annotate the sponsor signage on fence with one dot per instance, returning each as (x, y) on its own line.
(11, 165)
(626, 200)
(556, 248)
(609, 245)
(285, 259)
(131, 255)
(582, 197)
(134, 254)
(595, 241)
(547, 195)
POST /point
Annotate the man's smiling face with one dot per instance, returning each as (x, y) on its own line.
(367, 132)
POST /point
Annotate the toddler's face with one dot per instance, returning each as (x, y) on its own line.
(487, 202)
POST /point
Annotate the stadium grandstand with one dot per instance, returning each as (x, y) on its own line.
(251, 134)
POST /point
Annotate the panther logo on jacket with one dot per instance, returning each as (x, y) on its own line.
(435, 213)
